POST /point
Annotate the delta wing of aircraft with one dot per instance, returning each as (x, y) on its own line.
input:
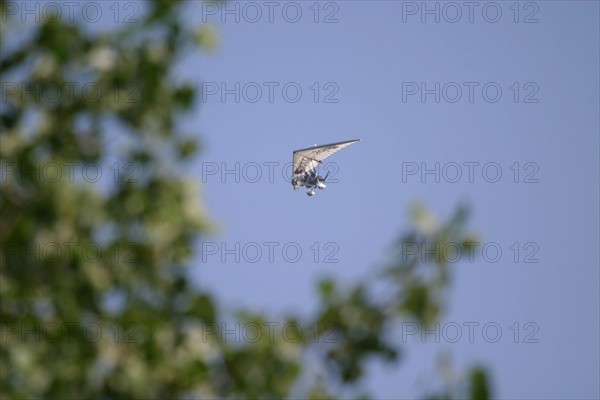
(307, 161)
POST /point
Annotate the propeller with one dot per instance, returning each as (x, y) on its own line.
(321, 181)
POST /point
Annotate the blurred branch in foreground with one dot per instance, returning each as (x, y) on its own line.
(95, 300)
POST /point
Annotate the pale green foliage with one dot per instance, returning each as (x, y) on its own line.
(156, 218)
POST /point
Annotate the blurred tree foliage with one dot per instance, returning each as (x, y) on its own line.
(154, 342)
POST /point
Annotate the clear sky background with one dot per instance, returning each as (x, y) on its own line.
(367, 58)
(370, 57)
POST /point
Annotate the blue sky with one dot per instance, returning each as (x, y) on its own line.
(509, 87)
(371, 58)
